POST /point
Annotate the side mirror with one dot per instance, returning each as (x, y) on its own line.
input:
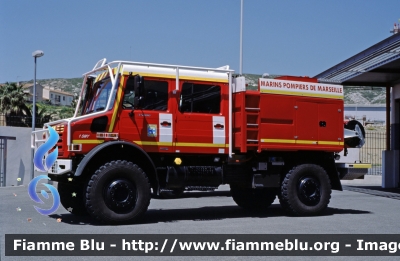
(137, 84)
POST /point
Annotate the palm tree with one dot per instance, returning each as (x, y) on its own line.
(42, 115)
(12, 102)
(66, 112)
(74, 101)
(12, 99)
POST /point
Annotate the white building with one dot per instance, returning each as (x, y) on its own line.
(58, 97)
(28, 90)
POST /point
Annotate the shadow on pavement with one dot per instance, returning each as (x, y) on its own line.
(203, 214)
(378, 188)
(74, 220)
(393, 193)
(194, 194)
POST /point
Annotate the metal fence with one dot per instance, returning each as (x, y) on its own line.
(371, 152)
(20, 121)
(3, 159)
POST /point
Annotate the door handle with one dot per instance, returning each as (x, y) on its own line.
(219, 126)
(165, 124)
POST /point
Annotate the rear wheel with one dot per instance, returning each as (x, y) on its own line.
(306, 190)
(118, 192)
(253, 199)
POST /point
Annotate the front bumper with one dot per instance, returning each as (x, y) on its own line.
(350, 171)
(61, 166)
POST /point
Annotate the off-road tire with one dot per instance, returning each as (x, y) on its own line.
(118, 192)
(253, 199)
(73, 197)
(305, 190)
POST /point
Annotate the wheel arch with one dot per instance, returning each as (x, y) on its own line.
(325, 160)
(310, 199)
(333, 174)
(117, 150)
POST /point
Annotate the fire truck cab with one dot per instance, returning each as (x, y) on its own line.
(141, 128)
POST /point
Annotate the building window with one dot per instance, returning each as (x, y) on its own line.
(58, 98)
(63, 98)
(200, 98)
(51, 96)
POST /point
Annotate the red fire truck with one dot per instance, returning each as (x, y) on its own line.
(142, 128)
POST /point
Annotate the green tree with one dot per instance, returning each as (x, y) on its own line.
(42, 115)
(12, 99)
(66, 112)
(74, 101)
(12, 104)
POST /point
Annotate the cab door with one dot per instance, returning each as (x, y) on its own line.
(150, 124)
(201, 118)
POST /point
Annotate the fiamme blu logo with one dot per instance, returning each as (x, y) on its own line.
(43, 162)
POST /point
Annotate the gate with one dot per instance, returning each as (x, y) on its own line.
(371, 152)
(3, 159)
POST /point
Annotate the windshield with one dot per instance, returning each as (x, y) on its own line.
(96, 97)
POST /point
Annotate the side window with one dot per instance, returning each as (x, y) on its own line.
(154, 95)
(129, 94)
(200, 98)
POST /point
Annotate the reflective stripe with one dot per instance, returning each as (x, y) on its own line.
(302, 94)
(181, 144)
(116, 106)
(277, 141)
(311, 142)
(190, 144)
(152, 143)
(358, 165)
(330, 142)
(87, 141)
(101, 76)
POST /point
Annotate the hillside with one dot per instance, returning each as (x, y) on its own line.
(72, 85)
(352, 95)
(364, 95)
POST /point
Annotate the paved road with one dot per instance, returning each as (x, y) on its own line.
(209, 213)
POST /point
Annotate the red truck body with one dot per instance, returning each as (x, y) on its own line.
(175, 127)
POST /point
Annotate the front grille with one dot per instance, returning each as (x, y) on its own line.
(54, 168)
(60, 131)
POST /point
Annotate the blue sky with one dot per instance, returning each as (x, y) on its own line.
(280, 37)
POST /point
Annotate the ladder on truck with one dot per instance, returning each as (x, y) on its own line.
(248, 106)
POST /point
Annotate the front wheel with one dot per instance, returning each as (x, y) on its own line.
(118, 192)
(305, 190)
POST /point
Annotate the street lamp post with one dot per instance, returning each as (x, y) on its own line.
(35, 54)
(241, 40)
